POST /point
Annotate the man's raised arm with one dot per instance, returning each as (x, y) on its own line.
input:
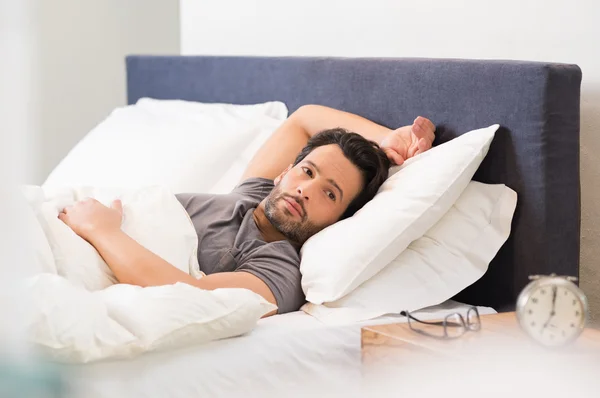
(287, 141)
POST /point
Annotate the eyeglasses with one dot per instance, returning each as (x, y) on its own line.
(454, 325)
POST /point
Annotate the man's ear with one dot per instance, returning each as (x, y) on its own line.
(283, 173)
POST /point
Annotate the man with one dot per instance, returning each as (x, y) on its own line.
(250, 238)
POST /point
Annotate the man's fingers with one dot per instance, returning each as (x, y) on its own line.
(417, 128)
(394, 156)
(117, 205)
(62, 216)
(423, 146)
(423, 128)
(425, 123)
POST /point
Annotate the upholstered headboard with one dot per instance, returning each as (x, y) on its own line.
(536, 152)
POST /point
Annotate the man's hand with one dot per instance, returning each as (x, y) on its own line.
(408, 141)
(88, 217)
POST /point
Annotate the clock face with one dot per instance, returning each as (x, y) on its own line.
(553, 314)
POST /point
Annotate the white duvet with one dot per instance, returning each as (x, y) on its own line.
(79, 312)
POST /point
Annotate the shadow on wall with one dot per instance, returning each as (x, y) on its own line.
(590, 198)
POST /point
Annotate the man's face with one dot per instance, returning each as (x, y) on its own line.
(313, 194)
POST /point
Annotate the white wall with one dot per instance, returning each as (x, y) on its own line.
(18, 103)
(553, 30)
(80, 63)
(18, 109)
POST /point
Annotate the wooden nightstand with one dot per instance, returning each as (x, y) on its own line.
(397, 343)
(500, 358)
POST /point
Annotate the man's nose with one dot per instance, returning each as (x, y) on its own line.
(304, 190)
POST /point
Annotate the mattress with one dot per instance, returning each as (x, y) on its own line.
(285, 355)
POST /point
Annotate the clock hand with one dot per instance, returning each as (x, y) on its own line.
(554, 291)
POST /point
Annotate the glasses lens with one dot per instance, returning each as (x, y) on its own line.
(428, 330)
(455, 325)
(473, 320)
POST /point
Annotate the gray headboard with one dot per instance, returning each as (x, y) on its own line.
(536, 152)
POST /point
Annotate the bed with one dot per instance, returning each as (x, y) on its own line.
(536, 153)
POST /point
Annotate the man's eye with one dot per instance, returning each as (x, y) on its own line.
(308, 171)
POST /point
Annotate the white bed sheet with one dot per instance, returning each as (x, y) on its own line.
(285, 353)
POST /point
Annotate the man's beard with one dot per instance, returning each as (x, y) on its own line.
(296, 231)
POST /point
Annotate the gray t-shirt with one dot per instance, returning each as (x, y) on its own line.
(229, 240)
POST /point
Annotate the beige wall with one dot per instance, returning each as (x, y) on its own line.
(80, 66)
(552, 30)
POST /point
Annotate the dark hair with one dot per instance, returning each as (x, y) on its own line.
(372, 162)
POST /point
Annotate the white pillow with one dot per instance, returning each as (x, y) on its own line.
(71, 324)
(341, 257)
(190, 109)
(451, 256)
(184, 146)
(152, 216)
(233, 175)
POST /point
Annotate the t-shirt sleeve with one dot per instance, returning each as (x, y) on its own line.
(279, 267)
(256, 187)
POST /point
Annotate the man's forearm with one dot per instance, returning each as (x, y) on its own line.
(134, 264)
(315, 118)
(287, 141)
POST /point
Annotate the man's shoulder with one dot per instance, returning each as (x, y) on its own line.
(257, 188)
(253, 188)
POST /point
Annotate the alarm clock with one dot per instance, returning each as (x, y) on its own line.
(552, 310)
